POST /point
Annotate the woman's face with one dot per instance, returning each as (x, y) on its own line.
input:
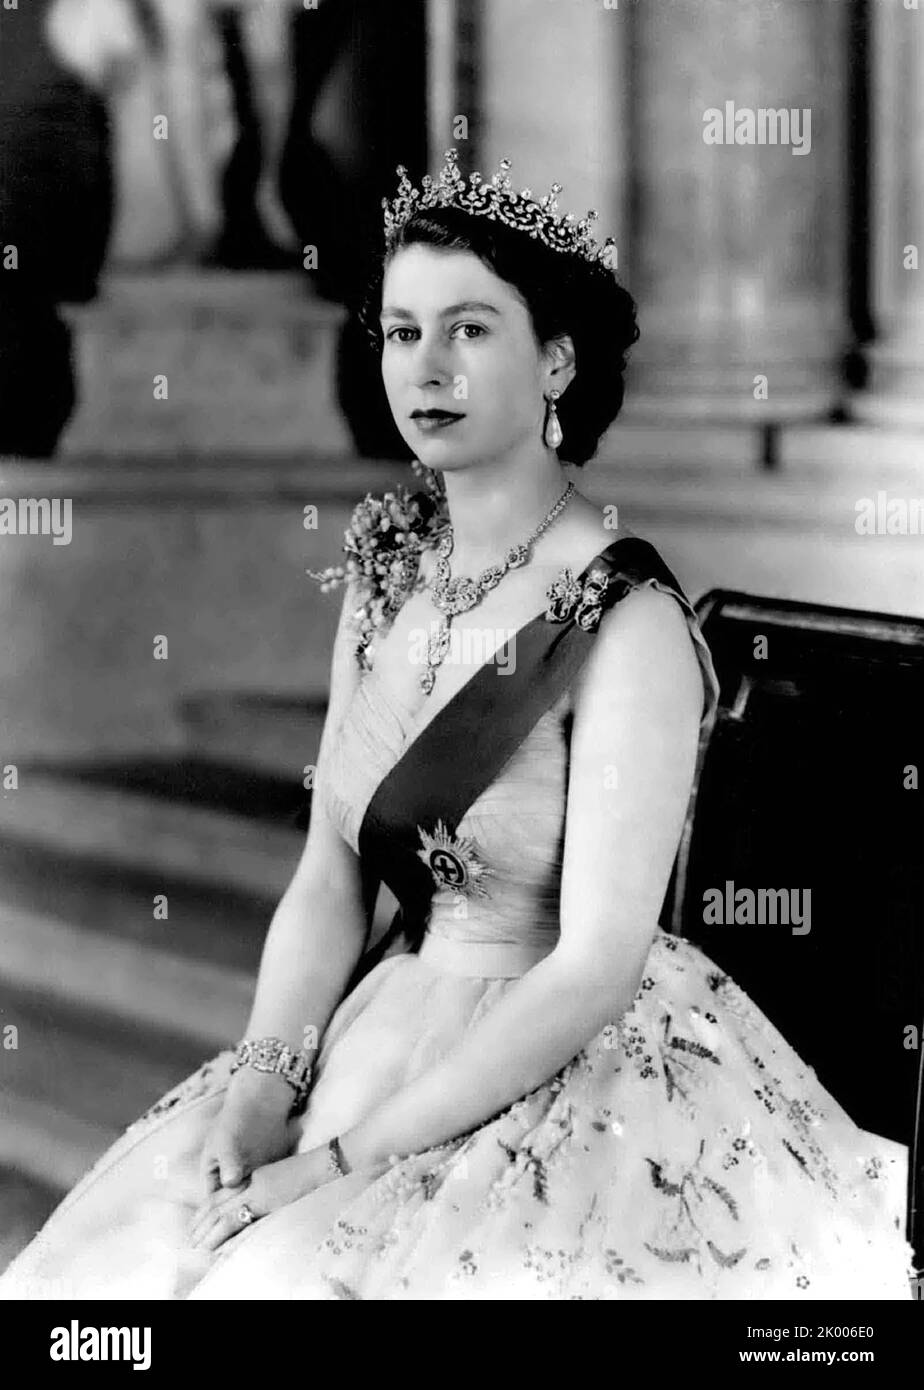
(459, 339)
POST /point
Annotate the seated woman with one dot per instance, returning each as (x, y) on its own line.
(532, 1092)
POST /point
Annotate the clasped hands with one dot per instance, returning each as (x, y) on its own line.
(247, 1166)
(268, 1187)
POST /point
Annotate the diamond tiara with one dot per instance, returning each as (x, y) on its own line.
(499, 201)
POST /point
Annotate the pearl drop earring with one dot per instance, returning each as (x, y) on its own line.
(552, 432)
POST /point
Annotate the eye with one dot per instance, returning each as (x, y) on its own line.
(392, 332)
(477, 327)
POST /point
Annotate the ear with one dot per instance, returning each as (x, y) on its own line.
(559, 359)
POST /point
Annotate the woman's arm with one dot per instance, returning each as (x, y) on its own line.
(321, 925)
(633, 753)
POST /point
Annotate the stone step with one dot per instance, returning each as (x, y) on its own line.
(143, 985)
(43, 1146)
(25, 1203)
(94, 1068)
(272, 733)
(103, 1030)
(191, 779)
(133, 831)
(91, 844)
(113, 1008)
(207, 921)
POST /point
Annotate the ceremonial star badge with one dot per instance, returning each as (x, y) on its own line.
(453, 861)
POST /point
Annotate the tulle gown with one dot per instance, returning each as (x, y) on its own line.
(685, 1153)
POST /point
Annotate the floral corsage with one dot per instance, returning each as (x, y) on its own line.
(383, 544)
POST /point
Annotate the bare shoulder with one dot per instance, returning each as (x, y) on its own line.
(643, 652)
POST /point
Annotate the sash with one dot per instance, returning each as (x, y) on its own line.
(466, 746)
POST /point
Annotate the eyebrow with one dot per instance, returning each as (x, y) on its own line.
(390, 311)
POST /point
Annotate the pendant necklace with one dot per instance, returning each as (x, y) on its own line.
(454, 596)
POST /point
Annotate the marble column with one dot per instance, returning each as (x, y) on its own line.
(538, 80)
(553, 98)
(454, 49)
(736, 251)
(894, 393)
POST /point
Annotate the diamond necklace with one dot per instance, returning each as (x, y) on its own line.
(454, 596)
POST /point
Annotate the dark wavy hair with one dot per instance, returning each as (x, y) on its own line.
(563, 293)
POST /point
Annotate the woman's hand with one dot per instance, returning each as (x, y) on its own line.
(270, 1187)
(252, 1129)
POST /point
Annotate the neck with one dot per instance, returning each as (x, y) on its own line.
(492, 511)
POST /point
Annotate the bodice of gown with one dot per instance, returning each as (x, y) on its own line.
(517, 823)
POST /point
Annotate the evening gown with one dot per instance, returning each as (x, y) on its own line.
(686, 1152)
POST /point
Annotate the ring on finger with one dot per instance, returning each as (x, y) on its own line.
(238, 1216)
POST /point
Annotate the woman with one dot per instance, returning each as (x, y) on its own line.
(541, 1095)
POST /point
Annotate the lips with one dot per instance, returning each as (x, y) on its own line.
(429, 421)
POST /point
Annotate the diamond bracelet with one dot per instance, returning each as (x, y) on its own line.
(276, 1057)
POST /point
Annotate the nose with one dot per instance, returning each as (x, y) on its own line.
(431, 366)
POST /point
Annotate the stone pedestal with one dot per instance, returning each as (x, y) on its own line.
(247, 361)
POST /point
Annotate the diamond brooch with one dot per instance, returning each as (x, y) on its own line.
(566, 595)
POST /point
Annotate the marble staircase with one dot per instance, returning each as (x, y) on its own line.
(112, 1004)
